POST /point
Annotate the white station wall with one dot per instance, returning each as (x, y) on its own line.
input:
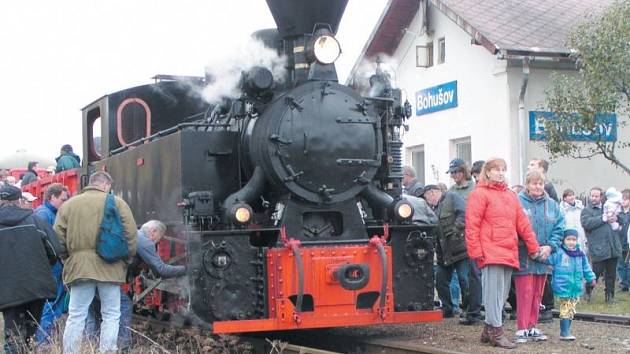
(482, 98)
(487, 110)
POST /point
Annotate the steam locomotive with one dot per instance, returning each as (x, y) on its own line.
(284, 202)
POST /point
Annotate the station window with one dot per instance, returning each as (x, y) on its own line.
(462, 148)
(441, 50)
(424, 55)
(417, 162)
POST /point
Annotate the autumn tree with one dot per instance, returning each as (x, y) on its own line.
(600, 46)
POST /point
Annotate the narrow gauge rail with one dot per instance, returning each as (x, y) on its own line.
(599, 318)
(260, 345)
(302, 345)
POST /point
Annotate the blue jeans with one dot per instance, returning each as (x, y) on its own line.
(623, 271)
(81, 296)
(456, 297)
(92, 324)
(52, 309)
(443, 281)
(474, 291)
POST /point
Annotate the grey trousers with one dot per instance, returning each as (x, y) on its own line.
(495, 284)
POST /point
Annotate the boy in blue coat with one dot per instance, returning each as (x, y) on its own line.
(570, 270)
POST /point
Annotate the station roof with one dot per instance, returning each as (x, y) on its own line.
(521, 26)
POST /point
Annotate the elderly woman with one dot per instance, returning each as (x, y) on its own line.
(494, 223)
(529, 282)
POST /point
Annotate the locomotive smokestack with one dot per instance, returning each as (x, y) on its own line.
(298, 17)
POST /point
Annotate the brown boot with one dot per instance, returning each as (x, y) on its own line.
(485, 335)
(499, 339)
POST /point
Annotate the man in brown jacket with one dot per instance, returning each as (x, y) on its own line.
(77, 225)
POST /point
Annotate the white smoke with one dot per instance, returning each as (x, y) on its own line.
(367, 68)
(227, 70)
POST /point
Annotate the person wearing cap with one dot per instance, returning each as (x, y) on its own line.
(30, 175)
(27, 200)
(570, 270)
(475, 170)
(28, 248)
(411, 184)
(56, 194)
(461, 176)
(463, 186)
(495, 225)
(450, 244)
(67, 159)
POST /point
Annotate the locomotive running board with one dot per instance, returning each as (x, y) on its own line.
(306, 322)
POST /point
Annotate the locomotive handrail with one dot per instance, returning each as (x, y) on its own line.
(162, 133)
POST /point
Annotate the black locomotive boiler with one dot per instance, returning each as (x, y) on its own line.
(285, 202)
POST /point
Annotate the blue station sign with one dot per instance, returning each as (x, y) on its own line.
(606, 129)
(436, 98)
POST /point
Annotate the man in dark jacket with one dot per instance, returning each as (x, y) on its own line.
(28, 247)
(30, 175)
(450, 246)
(603, 243)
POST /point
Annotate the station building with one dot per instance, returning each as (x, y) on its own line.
(475, 73)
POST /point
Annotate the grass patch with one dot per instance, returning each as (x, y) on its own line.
(598, 305)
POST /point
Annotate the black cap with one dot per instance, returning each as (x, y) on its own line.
(9, 192)
(429, 187)
(455, 165)
(476, 167)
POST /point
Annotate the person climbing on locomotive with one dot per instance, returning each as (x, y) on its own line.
(77, 225)
(450, 244)
(30, 175)
(149, 235)
(56, 194)
(460, 173)
(410, 182)
(67, 159)
(495, 222)
(28, 247)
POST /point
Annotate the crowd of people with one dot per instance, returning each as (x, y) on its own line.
(66, 160)
(52, 266)
(493, 244)
(522, 245)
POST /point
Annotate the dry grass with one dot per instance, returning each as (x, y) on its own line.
(597, 305)
(147, 341)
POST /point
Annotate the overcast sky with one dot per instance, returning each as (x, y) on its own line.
(58, 56)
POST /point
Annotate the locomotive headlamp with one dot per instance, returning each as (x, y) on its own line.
(403, 210)
(241, 214)
(326, 49)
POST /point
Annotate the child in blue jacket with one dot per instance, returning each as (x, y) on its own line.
(570, 270)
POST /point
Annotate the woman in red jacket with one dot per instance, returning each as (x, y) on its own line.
(494, 222)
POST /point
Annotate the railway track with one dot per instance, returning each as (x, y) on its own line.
(599, 318)
(309, 343)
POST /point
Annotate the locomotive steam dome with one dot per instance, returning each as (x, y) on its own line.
(320, 141)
